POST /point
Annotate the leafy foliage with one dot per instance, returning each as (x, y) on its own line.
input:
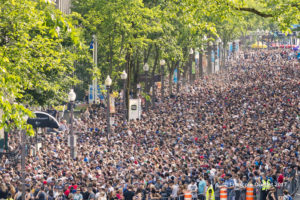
(36, 58)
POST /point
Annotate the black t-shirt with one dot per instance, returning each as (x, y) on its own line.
(3, 194)
(42, 196)
(85, 195)
(128, 195)
(145, 193)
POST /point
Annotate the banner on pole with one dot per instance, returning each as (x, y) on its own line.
(112, 121)
(175, 76)
(91, 94)
(112, 104)
(158, 85)
(193, 68)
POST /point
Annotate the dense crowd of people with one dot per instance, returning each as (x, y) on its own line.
(230, 129)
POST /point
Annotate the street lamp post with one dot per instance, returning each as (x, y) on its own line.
(72, 97)
(191, 64)
(23, 160)
(162, 64)
(108, 82)
(146, 69)
(124, 77)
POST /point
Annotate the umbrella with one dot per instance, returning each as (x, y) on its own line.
(43, 120)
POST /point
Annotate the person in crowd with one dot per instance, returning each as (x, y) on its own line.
(227, 129)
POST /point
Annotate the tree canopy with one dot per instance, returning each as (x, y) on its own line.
(38, 47)
(43, 53)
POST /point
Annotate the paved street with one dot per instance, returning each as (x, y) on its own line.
(297, 196)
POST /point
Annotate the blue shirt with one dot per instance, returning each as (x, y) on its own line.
(229, 183)
(201, 187)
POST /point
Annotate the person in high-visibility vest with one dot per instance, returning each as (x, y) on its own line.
(266, 185)
(210, 195)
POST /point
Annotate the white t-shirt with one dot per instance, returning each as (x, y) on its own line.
(193, 188)
(175, 189)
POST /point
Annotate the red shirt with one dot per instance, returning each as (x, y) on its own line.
(280, 178)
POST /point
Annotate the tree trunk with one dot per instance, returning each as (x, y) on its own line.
(178, 78)
(153, 74)
(200, 66)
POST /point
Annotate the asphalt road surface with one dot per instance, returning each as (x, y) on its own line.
(297, 195)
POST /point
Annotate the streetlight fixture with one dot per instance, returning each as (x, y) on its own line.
(108, 82)
(146, 69)
(162, 63)
(124, 77)
(71, 98)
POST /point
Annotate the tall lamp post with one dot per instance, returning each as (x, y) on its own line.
(146, 69)
(23, 160)
(124, 77)
(191, 64)
(162, 64)
(108, 82)
(72, 97)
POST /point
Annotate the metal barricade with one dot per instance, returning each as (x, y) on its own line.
(295, 185)
(292, 186)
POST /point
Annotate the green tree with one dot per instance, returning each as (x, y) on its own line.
(37, 53)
